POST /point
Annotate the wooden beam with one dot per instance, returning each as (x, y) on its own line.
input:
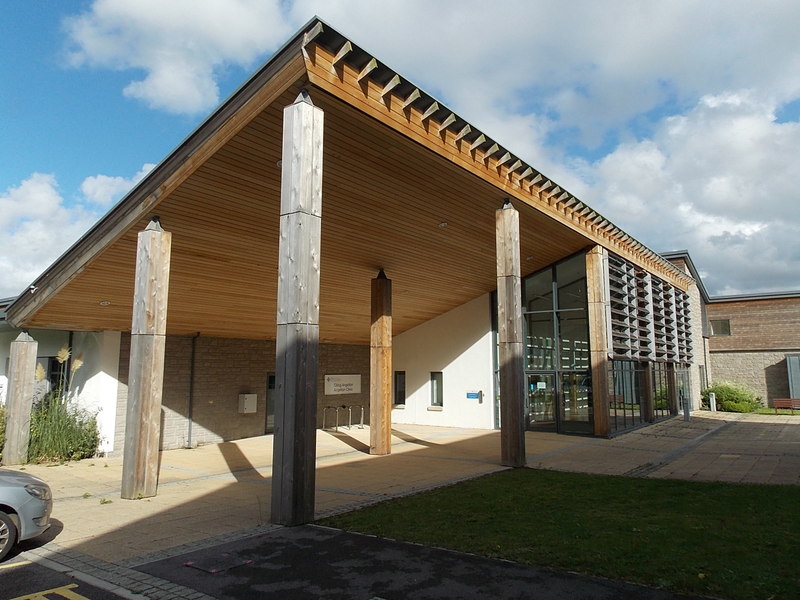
(146, 371)
(297, 343)
(492, 149)
(503, 159)
(477, 142)
(411, 98)
(390, 85)
(510, 338)
(21, 378)
(464, 131)
(380, 370)
(514, 166)
(447, 122)
(430, 111)
(368, 68)
(598, 307)
(346, 49)
(309, 36)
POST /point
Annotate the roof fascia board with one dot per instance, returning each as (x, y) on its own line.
(755, 297)
(227, 120)
(335, 75)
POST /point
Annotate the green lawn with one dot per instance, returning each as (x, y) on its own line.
(725, 540)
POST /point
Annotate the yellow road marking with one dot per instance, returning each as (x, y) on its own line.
(16, 564)
(65, 591)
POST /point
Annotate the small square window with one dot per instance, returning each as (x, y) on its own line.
(437, 394)
(720, 326)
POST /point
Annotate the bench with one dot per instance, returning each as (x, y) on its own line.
(791, 403)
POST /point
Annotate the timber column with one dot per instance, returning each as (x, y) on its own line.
(297, 343)
(598, 306)
(146, 374)
(380, 367)
(22, 374)
(510, 338)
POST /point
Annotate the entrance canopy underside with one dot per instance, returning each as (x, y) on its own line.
(416, 198)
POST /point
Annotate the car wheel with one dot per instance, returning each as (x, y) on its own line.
(8, 534)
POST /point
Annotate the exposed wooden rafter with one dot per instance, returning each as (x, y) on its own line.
(447, 122)
(392, 83)
(411, 98)
(346, 49)
(368, 68)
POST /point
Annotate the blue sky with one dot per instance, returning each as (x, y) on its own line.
(677, 120)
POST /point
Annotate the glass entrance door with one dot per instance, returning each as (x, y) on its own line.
(542, 402)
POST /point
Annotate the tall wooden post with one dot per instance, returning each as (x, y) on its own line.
(672, 389)
(380, 367)
(598, 306)
(510, 338)
(648, 398)
(19, 399)
(297, 344)
(146, 373)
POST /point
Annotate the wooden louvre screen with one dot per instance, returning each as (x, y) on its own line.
(650, 319)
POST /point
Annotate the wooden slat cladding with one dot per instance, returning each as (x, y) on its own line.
(769, 324)
(399, 193)
(384, 200)
(343, 81)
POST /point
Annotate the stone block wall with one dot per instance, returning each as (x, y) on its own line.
(765, 372)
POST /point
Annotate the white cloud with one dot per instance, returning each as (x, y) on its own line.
(37, 224)
(35, 228)
(181, 45)
(104, 190)
(660, 115)
(718, 181)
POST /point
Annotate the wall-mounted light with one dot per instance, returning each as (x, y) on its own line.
(105, 302)
(442, 225)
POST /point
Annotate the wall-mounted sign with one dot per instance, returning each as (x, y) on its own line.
(541, 385)
(473, 395)
(342, 384)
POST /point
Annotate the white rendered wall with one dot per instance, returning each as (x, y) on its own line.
(94, 385)
(459, 344)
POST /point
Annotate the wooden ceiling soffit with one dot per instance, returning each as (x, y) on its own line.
(341, 68)
(277, 75)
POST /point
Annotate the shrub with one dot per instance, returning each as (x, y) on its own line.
(733, 397)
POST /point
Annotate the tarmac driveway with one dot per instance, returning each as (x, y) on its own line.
(319, 562)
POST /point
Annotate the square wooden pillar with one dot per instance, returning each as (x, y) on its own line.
(297, 343)
(380, 367)
(146, 374)
(510, 338)
(19, 399)
(598, 307)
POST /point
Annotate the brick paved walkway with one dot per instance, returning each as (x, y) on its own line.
(219, 493)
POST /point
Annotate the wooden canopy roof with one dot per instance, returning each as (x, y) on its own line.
(408, 186)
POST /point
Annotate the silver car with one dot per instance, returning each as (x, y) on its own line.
(25, 505)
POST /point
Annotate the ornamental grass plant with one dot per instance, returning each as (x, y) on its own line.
(61, 431)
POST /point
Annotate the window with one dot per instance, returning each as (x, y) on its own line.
(720, 326)
(399, 388)
(437, 395)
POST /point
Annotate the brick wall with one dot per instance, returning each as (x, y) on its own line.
(765, 372)
(770, 324)
(225, 368)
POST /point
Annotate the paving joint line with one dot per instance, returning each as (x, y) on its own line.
(668, 457)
